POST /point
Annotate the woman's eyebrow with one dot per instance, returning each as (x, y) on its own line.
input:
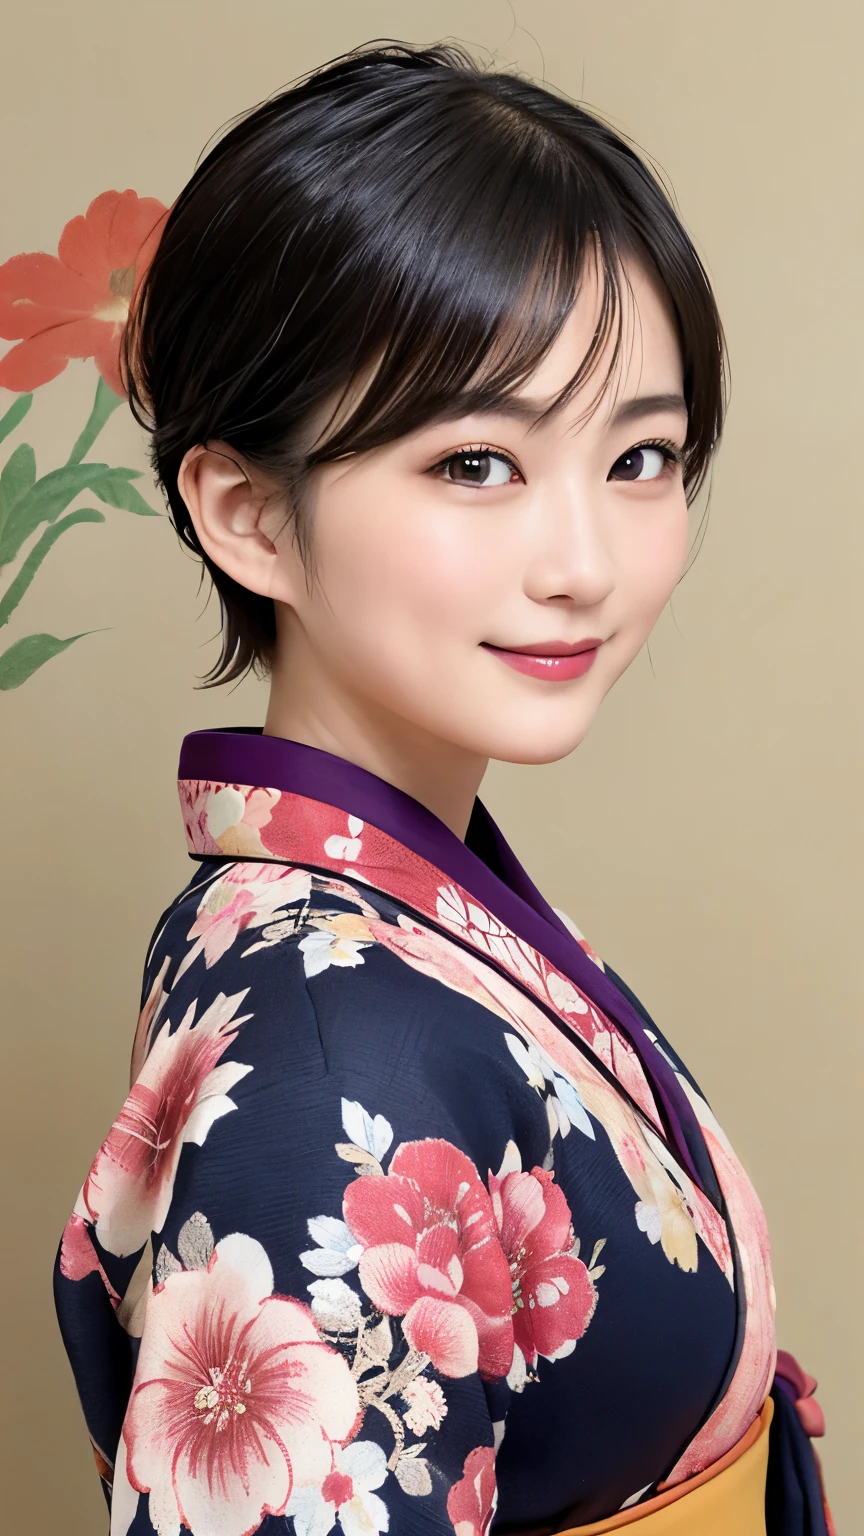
(648, 405)
(524, 408)
(531, 410)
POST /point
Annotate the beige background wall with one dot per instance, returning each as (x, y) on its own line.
(708, 834)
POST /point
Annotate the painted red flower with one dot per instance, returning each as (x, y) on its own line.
(432, 1256)
(75, 304)
(181, 1090)
(553, 1294)
(237, 1399)
(472, 1501)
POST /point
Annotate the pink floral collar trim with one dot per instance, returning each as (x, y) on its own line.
(249, 822)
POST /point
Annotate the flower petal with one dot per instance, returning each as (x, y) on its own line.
(363, 1515)
(445, 1332)
(383, 1210)
(327, 1262)
(109, 235)
(204, 1115)
(330, 1232)
(37, 291)
(364, 1462)
(239, 1503)
(388, 1275)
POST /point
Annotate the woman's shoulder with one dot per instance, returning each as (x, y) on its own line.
(329, 977)
(282, 1032)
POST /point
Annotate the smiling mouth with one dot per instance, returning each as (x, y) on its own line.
(555, 661)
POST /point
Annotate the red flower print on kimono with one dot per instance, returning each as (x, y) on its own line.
(472, 1501)
(237, 1399)
(181, 1090)
(431, 1255)
(553, 1293)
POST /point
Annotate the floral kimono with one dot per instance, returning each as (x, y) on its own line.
(412, 1220)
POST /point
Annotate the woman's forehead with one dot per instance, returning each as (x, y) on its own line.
(641, 354)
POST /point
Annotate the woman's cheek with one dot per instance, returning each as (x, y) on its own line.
(441, 585)
(659, 564)
(387, 618)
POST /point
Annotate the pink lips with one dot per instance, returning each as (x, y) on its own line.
(556, 661)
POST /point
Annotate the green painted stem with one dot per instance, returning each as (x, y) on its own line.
(16, 589)
(105, 403)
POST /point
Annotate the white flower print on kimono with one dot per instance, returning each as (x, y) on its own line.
(346, 1495)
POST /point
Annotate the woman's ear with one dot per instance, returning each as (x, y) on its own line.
(237, 518)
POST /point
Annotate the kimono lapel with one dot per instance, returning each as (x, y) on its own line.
(252, 796)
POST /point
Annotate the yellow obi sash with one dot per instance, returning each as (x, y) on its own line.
(727, 1499)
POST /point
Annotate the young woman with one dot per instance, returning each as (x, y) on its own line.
(413, 1221)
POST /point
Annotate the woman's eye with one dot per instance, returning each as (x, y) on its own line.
(476, 468)
(645, 463)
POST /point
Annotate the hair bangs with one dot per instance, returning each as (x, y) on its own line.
(450, 346)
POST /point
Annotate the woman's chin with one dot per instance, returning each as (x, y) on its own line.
(527, 741)
(536, 753)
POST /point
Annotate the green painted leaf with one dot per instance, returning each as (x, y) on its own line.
(112, 486)
(43, 503)
(16, 412)
(48, 497)
(16, 589)
(26, 656)
(19, 473)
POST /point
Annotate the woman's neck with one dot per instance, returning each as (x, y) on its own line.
(441, 776)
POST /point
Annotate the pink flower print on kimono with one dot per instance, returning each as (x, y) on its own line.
(237, 1400)
(346, 1496)
(78, 1257)
(181, 1091)
(484, 931)
(246, 896)
(431, 1255)
(554, 1295)
(427, 1406)
(148, 1018)
(472, 1502)
(752, 1379)
(491, 938)
(223, 818)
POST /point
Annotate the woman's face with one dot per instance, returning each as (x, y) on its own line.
(461, 572)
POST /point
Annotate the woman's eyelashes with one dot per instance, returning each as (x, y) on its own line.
(646, 461)
(483, 467)
(478, 467)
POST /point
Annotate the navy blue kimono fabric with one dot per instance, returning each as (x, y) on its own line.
(383, 1239)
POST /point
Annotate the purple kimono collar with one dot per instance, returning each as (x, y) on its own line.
(484, 865)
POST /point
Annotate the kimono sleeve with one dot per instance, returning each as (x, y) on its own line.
(300, 1245)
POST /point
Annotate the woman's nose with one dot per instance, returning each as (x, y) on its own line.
(571, 555)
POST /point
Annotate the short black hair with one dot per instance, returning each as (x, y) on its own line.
(404, 216)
